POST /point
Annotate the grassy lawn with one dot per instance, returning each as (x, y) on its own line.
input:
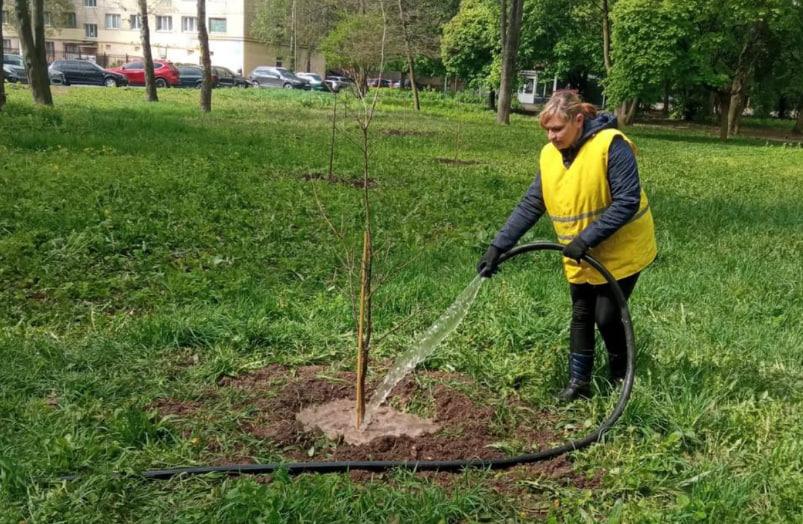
(147, 251)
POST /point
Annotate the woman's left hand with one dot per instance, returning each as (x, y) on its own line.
(575, 249)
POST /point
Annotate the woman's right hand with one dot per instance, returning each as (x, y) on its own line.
(488, 264)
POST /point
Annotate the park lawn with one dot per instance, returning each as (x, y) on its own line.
(147, 251)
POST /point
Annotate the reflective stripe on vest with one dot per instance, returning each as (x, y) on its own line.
(578, 195)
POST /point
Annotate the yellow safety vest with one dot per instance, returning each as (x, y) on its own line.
(577, 196)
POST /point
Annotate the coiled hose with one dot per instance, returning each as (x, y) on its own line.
(450, 465)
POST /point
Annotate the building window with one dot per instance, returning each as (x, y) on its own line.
(135, 21)
(90, 3)
(189, 24)
(91, 30)
(164, 23)
(68, 20)
(50, 50)
(217, 25)
(113, 21)
(6, 44)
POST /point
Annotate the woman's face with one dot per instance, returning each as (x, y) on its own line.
(563, 133)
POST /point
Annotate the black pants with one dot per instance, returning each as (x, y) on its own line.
(595, 304)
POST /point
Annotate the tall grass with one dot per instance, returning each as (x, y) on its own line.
(146, 250)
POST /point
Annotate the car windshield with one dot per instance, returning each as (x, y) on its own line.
(313, 76)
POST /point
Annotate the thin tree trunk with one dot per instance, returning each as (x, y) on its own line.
(510, 26)
(293, 35)
(364, 320)
(2, 72)
(332, 143)
(491, 100)
(309, 58)
(206, 61)
(145, 38)
(735, 113)
(409, 55)
(631, 112)
(724, 109)
(798, 129)
(606, 37)
(32, 41)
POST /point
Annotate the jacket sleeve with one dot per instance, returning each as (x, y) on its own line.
(625, 187)
(524, 216)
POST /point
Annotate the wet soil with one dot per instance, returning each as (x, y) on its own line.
(463, 428)
(457, 161)
(334, 179)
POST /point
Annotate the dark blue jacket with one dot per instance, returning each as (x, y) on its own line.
(623, 180)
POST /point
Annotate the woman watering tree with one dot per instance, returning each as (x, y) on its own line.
(588, 184)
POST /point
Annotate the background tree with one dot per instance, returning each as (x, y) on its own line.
(147, 55)
(2, 73)
(206, 61)
(510, 17)
(470, 42)
(297, 24)
(31, 30)
(352, 46)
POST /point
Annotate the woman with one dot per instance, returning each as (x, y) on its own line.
(588, 184)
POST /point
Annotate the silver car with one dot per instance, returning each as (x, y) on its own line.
(268, 76)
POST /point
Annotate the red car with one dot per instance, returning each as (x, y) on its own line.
(164, 72)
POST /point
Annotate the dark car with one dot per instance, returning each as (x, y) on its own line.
(193, 76)
(227, 78)
(84, 72)
(14, 69)
(379, 82)
(268, 76)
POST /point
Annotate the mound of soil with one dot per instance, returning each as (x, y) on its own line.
(457, 162)
(467, 429)
(334, 179)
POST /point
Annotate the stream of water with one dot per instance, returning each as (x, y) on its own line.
(425, 345)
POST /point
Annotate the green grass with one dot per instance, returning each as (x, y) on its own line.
(147, 250)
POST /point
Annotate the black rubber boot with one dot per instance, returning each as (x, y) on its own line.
(618, 366)
(580, 367)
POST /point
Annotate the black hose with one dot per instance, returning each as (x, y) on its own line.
(451, 465)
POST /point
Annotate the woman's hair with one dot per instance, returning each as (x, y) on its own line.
(566, 104)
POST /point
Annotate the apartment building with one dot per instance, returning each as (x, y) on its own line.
(107, 31)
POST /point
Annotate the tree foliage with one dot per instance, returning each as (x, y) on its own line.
(470, 41)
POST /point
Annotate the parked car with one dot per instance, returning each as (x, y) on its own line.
(14, 69)
(315, 81)
(379, 82)
(193, 76)
(164, 72)
(266, 76)
(336, 83)
(85, 72)
(227, 78)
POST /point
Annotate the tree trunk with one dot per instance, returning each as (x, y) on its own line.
(364, 320)
(408, 51)
(798, 129)
(724, 109)
(631, 112)
(309, 58)
(293, 35)
(2, 73)
(32, 41)
(145, 38)
(491, 100)
(510, 25)
(606, 37)
(735, 110)
(206, 61)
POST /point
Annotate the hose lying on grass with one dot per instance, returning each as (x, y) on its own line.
(447, 465)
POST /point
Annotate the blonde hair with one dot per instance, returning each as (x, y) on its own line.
(566, 104)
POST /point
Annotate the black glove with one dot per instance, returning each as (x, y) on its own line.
(575, 249)
(488, 263)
